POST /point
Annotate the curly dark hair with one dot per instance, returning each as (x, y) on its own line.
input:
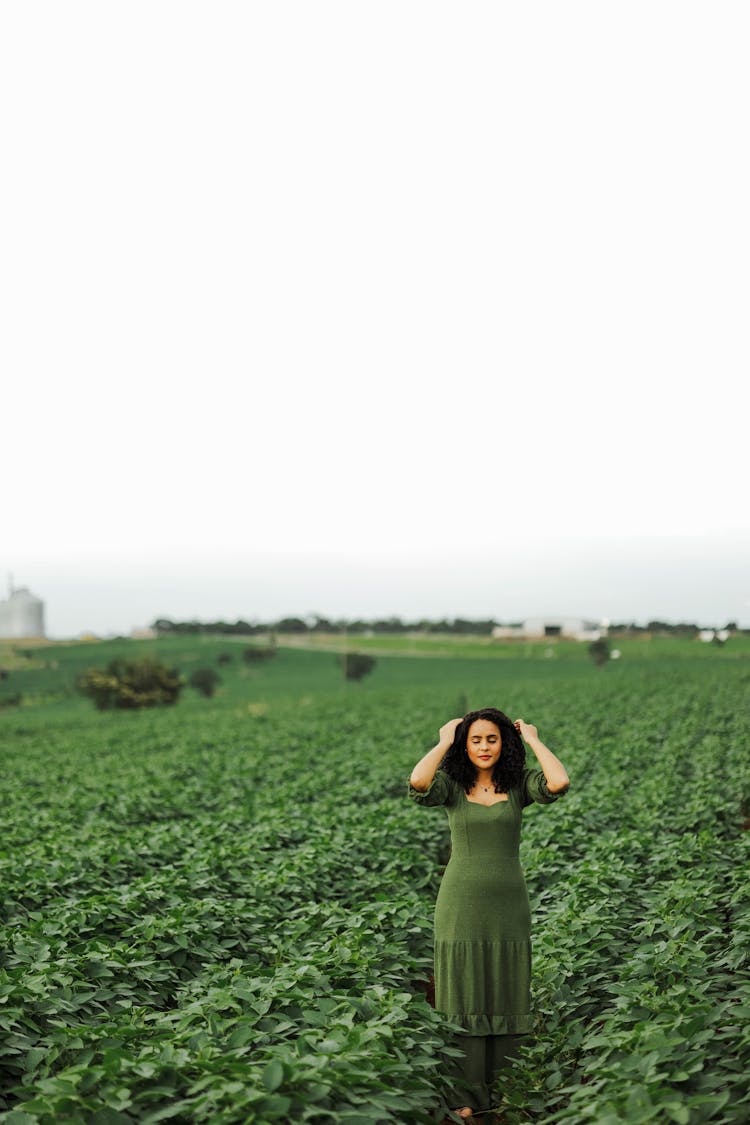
(508, 769)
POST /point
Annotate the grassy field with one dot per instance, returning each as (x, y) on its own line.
(640, 646)
(221, 911)
(42, 668)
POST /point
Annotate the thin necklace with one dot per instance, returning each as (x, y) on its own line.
(487, 788)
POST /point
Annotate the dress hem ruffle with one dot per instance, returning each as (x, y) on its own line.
(482, 1024)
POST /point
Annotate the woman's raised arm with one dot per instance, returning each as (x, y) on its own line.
(423, 773)
(555, 773)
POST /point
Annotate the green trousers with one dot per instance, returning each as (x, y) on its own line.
(485, 1057)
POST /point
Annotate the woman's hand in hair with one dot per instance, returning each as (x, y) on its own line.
(526, 730)
(448, 731)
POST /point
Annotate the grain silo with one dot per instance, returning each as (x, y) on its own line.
(21, 614)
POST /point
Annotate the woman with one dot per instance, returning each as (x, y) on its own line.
(482, 913)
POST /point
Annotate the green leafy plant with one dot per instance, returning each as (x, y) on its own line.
(599, 651)
(204, 680)
(356, 665)
(131, 684)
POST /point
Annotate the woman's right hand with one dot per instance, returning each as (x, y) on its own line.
(448, 730)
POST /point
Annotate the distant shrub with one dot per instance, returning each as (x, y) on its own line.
(204, 680)
(254, 654)
(131, 683)
(224, 658)
(599, 651)
(356, 665)
(11, 700)
(3, 673)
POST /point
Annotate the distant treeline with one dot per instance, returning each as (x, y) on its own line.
(458, 625)
(324, 625)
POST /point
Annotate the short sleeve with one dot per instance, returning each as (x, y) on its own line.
(438, 792)
(534, 788)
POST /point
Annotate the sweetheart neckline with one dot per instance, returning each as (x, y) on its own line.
(484, 805)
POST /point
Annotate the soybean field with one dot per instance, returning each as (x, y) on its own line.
(221, 910)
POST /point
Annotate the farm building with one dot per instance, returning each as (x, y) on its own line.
(572, 628)
(21, 614)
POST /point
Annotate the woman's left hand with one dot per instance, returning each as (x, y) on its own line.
(526, 730)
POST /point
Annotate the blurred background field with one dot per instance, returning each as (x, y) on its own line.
(46, 671)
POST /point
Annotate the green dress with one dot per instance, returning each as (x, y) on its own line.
(482, 913)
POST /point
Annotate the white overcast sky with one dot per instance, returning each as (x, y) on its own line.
(371, 308)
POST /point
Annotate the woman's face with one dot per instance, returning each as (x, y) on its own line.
(483, 743)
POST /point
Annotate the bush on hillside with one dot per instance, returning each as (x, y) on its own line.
(205, 680)
(130, 684)
(599, 651)
(356, 665)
